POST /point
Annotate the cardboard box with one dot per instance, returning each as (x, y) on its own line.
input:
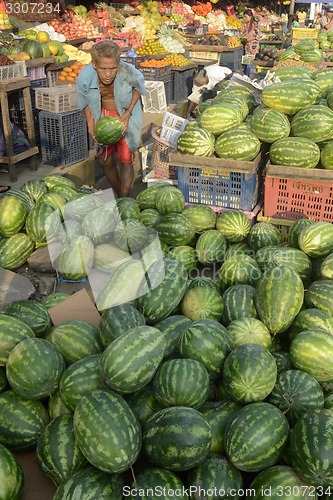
(78, 306)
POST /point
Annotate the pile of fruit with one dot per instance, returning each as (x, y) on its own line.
(76, 27)
(70, 73)
(152, 19)
(269, 55)
(211, 40)
(151, 46)
(325, 39)
(219, 383)
(233, 22)
(154, 63)
(305, 50)
(4, 19)
(5, 61)
(233, 42)
(202, 9)
(177, 60)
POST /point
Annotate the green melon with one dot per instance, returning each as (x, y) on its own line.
(202, 302)
(234, 225)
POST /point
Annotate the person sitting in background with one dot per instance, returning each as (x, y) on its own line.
(326, 19)
(205, 79)
(251, 33)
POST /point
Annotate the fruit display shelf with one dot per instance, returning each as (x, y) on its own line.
(40, 61)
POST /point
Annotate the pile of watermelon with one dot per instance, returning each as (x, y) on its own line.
(218, 376)
(295, 120)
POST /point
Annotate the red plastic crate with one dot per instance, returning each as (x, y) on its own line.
(294, 193)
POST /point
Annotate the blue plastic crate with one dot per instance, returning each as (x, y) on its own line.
(220, 186)
(64, 138)
(232, 59)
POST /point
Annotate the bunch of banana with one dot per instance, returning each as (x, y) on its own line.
(75, 54)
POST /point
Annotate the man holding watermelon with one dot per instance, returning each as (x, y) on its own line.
(110, 87)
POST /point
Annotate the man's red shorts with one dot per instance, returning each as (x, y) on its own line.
(124, 154)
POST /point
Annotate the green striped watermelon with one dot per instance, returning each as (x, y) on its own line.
(221, 117)
(288, 72)
(314, 123)
(117, 320)
(238, 303)
(218, 414)
(125, 208)
(75, 339)
(154, 479)
(69, 193)
(249, 373)
(69, 229)
(32, 313)
(34, 368)
(13, 214)
(236, 91)
(326, 268)
(309, 319)
(55, 180)
(58, 455)
(319, 363)
(320, 295)
(279, 298)
(12, 478)
(215, 474)
(175, 229)
(239, 269)
(21, 421)
(316, 240)
(326, 156)
(130, 235)
(54, 298)
(80, 378)
(271, 256)
(56, 407)
(181, 382)
(27, 200)
(79, 206)
(311, 447)
(35, 188)
(3, 380)
(294, 231)
(255, 437)
(116, 445)
(237, 144)
(249, 330)
(169, 200)
(202, 302)
(280, 481)
(234, 225)
(12, 331)
(172, 328)
(324, 80)
(76, 258)
(211, 247)
(15, 250)
(204, 281)
(147, 197)
(177, 438)
(99, 225)
(108, 130)
(167, 283)
(198, 141)
(94, 483)
(283, 362)
(263, 234)
(186, 255)
(287, 97)
(201, 216)
(150, 217)
(143, 403)
(295, 152)
(42, 223)
(108, 257)
(131, 360)
(295, 393)
(55, 200)
(206, 341)
(269, 125)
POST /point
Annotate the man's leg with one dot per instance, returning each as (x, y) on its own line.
(111, 172)
(126, 178)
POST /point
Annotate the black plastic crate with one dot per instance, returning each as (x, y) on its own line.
(179, 84)
(16, 98)
(232, 59)
(156, 74)
(167, 86)
(19, 118)
(64, 138)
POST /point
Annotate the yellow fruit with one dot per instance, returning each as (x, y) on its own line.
(53, 48)
(43, 37)
(21, 56)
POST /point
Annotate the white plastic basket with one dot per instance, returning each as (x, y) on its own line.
(154, 101)
(16, 70)
(57, 99)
